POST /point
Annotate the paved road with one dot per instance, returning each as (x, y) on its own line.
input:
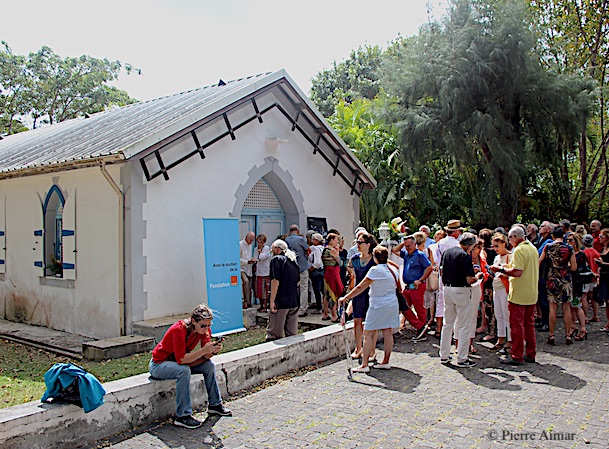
(418, 404)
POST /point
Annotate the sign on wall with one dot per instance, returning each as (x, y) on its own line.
(318, 224)
(223, 274)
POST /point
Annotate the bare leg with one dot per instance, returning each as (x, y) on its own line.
(566, 310)
(439, 320)
(358, 330)
(369, 345)
(552, 321)
(334, 313)
(585, 305)
(594, 310)
(325, 307)
(484, 322)
(579, 311)
(387, 344)
(432, 312)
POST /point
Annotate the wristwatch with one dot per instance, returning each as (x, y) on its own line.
(502, 270)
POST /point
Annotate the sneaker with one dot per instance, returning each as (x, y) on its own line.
(529, 359)
(511, 361)
(187, 421)
(445, 361)
(359, 369)
(219, 410)
(543, 328)
(466, 364)
(416, 340)
(421, 332)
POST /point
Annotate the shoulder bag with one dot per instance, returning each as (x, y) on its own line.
(398, 292)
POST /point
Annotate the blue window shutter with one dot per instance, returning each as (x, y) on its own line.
(68, 236)
(38, 248)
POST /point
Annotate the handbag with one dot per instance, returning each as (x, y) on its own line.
(398, 292)
(584, 275)
(433, 282)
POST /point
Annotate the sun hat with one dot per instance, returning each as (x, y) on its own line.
(454, 225)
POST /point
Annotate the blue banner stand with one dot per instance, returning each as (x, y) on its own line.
(223, 274)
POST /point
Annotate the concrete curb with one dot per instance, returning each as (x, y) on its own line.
(136, 401)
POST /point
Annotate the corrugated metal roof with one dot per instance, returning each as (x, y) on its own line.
(110, 132)
(133, 130)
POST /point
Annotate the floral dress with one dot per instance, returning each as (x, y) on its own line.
(559, 285)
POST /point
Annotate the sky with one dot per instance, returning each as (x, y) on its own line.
(184, 44)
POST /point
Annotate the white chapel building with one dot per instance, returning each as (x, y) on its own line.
(100, 216)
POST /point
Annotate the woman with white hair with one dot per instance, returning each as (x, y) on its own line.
(285, 299)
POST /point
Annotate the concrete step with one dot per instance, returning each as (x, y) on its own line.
(114, 348)
(157, 327)
(57, 342)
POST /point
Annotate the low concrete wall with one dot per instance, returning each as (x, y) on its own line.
(137, 400)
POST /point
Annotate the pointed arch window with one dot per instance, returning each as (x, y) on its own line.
(53, 227)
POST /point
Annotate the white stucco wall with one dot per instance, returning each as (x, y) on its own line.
(88, 305)
(173, 245)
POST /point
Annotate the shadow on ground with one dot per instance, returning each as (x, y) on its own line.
(395, 379)
(164, 434)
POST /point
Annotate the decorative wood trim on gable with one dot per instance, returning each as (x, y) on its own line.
(296, 112)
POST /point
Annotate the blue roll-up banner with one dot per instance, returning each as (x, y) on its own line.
(223, 274)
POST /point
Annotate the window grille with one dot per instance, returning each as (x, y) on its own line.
(262, 197)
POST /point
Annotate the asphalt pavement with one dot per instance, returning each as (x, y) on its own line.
(562, 401)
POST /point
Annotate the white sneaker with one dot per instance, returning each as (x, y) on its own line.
(365, 369)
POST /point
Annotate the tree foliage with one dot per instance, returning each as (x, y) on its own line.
(375, 144)
(356, 77)
(574, 39)
(473, 89)
(50, 88)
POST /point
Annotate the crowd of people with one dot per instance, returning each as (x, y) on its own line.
(505, 284)
(459, 283)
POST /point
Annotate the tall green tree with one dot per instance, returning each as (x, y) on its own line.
(473, 89)
(15, 91)
(355, 77)
(574, 39)
(375, 144)
(51, 88)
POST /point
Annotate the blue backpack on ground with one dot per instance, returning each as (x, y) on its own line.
(70, 383)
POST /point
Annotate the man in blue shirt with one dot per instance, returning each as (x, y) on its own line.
(417, 268)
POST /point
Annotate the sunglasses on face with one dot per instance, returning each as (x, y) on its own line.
(361, 242)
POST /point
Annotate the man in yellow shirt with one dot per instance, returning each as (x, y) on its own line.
(523, 271)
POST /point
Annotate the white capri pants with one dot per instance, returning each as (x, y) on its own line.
(500, 301)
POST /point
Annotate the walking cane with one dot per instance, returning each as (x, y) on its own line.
(343, 320)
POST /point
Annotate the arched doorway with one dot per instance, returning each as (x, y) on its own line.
(262, 212)
(287, 201)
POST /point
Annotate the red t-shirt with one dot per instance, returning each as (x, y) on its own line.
(591, 254)
(175, 344)
(597, 245)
